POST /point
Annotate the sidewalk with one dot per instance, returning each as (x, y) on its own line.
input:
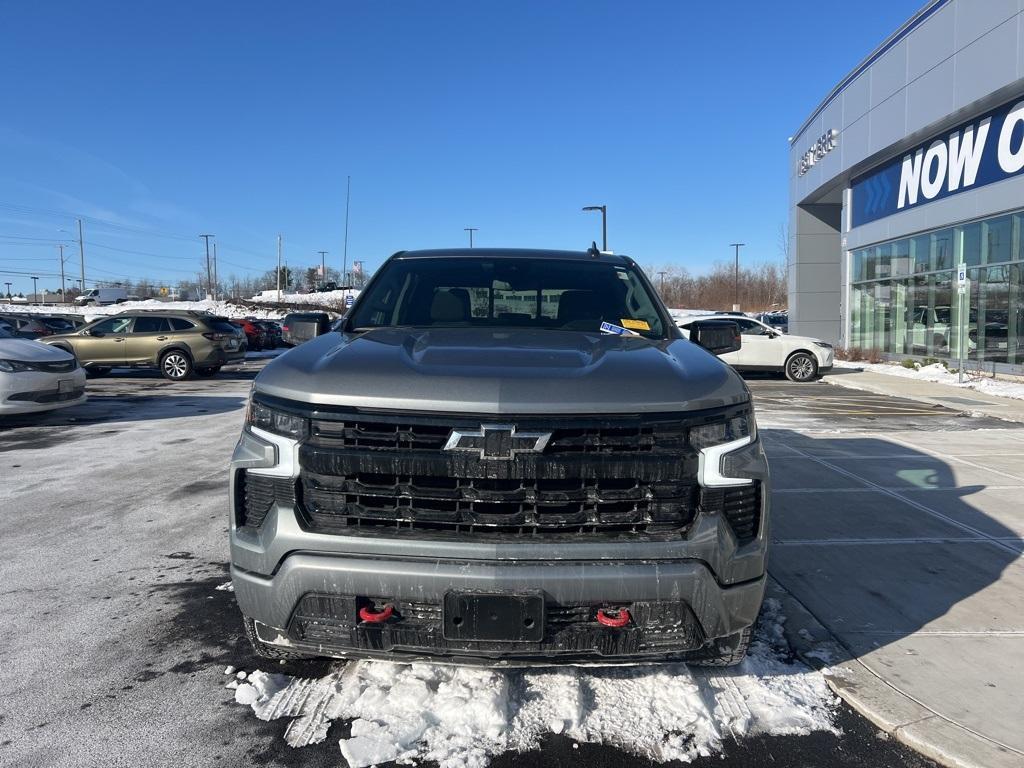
(897, 555)
(956, 398)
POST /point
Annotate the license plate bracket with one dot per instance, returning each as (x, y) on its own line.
(65, 386)
(495, 618)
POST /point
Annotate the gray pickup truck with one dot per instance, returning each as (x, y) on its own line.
(502, 457)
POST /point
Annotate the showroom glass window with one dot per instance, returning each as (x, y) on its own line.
(903, 298)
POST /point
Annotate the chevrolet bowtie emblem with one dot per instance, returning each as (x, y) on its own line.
(497, 441)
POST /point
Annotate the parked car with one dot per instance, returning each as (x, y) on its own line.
(778, 321)
(35, 377)
(299, 327)
(572, 481)
(7, 328)
(255, 335)
(103, 296)
(273, 333)
(800, 358)
(934, 326)
(26, 326)
(56, 323)
(177, 343)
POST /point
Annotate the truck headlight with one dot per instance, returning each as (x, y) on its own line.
(730, 430)
(277, 422)
(721, 442)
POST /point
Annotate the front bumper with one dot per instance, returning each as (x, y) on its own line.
(688, 596)
(38, 391)
(678, 610)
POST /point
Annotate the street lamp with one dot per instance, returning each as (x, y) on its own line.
(604, 223)
(35, 290)
(8, 290)
(471, 230)
(736, 279)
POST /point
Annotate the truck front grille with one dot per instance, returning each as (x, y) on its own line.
(609, 436)
(595, 475)
(515, 505)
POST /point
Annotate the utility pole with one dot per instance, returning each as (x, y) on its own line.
(81, 254)
(736, 279)
(471, 230)
(63, 292)
(661, 283)
(209, 277)
(323, 266)
(278, 267)
(35, 290)
(604, 223)
(344, 258)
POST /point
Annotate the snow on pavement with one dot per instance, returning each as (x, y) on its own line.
(461, 717)
(938, 373)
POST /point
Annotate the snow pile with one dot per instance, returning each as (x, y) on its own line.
(938, 373)
(91, 312)
(330, 298)
(463, 716)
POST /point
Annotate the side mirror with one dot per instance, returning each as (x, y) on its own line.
(719, 337)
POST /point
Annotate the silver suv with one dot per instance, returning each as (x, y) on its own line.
(502, 457)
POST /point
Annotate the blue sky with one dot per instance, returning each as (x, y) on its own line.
(159, 121)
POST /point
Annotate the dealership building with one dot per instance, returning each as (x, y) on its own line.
(912, 166)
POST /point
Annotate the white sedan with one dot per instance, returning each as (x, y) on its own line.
(37, 377)
(763, 348)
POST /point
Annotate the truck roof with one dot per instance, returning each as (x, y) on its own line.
(513, 253)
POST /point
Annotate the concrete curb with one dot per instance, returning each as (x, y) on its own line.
(881, 702)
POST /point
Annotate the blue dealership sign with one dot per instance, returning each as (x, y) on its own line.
(987, 149)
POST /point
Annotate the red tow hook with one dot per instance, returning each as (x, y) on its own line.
(619, 619)
(369, 614)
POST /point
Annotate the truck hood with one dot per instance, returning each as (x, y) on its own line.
(502, 372)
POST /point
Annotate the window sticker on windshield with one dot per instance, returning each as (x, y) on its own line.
(635, 325)
(617, 329)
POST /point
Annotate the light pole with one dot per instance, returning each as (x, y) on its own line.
(604, 223)
(63, 292)
(736, 279)
(35, 290)
(471, 230)
(323, 267)
(8, 290)
(661, 283)
(209, 279)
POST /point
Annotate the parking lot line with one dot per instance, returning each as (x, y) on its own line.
(887, 488)
(910, 502)
(872, 542)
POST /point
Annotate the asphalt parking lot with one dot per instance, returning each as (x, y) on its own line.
(116, 634)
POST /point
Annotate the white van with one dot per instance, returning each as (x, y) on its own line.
(103, 296)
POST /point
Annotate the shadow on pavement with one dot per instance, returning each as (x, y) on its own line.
(880, 540)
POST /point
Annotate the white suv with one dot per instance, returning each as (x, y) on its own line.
(801, 358)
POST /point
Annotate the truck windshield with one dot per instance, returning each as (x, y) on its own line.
(541, 293)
